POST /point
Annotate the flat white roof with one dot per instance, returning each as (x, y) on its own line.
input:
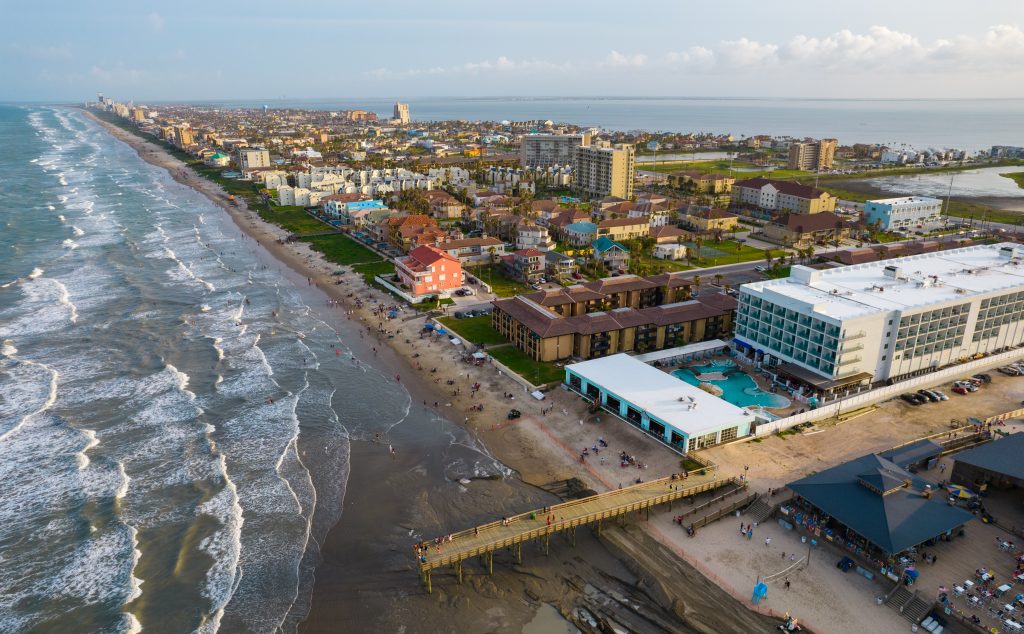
(671, 353)
(687, 408)
(906, 200)
(957, 275)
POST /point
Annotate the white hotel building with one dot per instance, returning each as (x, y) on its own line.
(843, 329)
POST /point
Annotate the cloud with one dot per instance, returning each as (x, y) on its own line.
(616, 59)
(156, 22)
(695, 55)
(877, 49)
(743, 53)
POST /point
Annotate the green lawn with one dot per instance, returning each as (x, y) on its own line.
(293, 219)
(341, 249)
(371, 269)
(734, 252)
(502, 285)
(777, 272)
(535, 372)
(1017, 177)
(654, 266)
(474, 329)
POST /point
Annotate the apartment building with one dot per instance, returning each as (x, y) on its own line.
(842, 329)
(812, 156)
(249, 157)
(701, 183)
(907, 212)
(774, 195)
(550, 150)
(618, 314)
(624, 228)
(710, 220)
(605, 170)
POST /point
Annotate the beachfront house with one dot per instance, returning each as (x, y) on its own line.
(429, 271)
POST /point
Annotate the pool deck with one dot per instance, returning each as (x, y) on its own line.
(729, 365)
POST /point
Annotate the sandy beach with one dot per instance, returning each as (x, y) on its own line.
(541, 448)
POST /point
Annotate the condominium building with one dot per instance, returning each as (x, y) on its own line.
(138, 115)
(773, 195)
(617, 314)
(814, 156)
(549, 150)
(249, 157)
(183, 136)
(903, 213)
(839, 329)
(402, 113)
(605, 170)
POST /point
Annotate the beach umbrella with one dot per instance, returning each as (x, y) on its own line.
(959, 492)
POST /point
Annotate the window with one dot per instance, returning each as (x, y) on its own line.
(729, 434)
(884, 357)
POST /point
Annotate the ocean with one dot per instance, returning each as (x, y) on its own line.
(176, 411)
(967, 124)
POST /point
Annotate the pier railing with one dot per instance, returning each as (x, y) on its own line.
(564, 518)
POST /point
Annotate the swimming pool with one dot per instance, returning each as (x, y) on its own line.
(738, 387)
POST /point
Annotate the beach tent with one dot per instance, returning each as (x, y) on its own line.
(537, 394)
(456, 342)
(760, 592)
(479, 355)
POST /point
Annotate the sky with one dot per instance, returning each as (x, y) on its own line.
(306, 49)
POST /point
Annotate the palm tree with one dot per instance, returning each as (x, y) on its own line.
(718, 279)
(696, 281)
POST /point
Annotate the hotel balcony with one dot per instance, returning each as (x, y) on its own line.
(856, 335)
(849, 361)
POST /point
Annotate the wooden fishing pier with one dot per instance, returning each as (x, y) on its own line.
(563, 518)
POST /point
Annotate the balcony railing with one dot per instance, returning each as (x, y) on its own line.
(856, 335)
(848, 361)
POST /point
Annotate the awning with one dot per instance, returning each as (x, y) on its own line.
(456, 342)
(479, 355)
(537, 394)
(818, 381)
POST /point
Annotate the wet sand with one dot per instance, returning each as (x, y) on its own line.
(366, 577)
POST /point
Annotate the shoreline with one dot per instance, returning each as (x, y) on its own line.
(537, 455)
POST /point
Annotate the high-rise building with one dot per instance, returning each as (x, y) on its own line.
(249, 157)
(812, 156)
(183, 136)
(402, 113)
(546, 150)
(138, 115)
(605, 170)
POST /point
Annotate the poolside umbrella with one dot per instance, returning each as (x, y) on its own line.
(959, 492)
(428, 326)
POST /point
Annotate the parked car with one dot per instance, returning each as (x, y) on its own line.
(459, 314)
(760, 269)
(959, 389)
(928, 395)
(1010, 370)
(942, 395)
(986, 378)
(911, 399)
(967, 385)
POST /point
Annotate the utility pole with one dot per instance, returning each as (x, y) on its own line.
(949, 193)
